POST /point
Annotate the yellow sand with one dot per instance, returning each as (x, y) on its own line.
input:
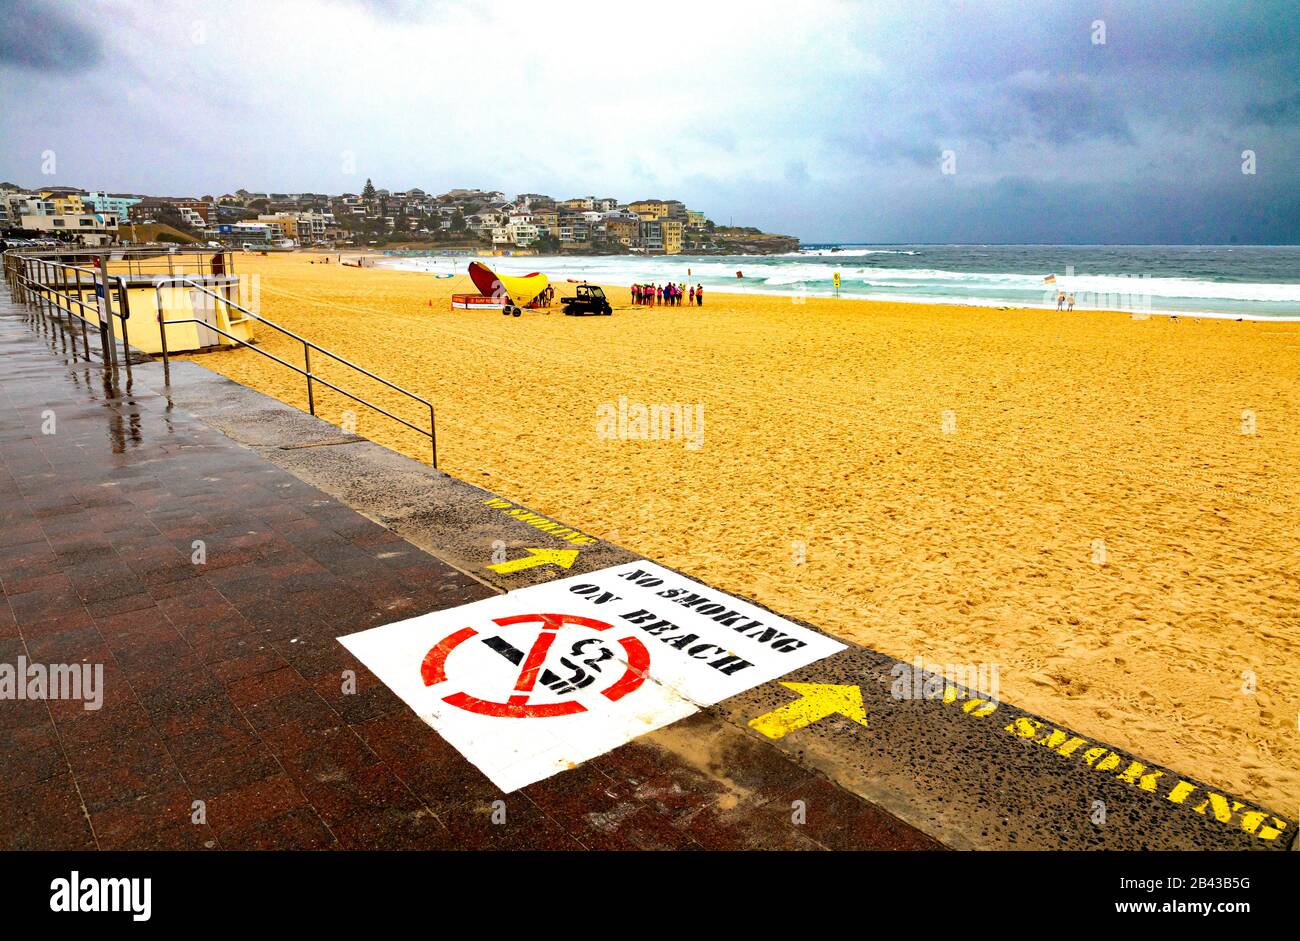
(824, 428)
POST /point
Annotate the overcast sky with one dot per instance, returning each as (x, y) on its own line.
(829, 121)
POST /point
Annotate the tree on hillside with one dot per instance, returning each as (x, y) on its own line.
(368, 191)
(458, 221)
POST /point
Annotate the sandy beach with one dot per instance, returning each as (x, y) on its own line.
(1068, 496)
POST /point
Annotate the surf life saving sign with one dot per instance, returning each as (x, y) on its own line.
(477, 302)
(530, 683)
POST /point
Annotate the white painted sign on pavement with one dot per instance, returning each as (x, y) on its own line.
(538, 680)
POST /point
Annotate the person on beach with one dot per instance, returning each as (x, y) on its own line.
(1069, 302)
(699, 295)
(692, 297)
(1060, 300)
(659, 294)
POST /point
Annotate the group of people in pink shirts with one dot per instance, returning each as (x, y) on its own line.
(671, 295)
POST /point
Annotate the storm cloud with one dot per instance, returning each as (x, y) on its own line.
(46, 36)
(1088, 120)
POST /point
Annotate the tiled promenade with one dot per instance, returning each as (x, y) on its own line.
(225, 722)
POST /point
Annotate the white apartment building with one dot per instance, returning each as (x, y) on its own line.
(263, 231)
(314, 226)
(522, 234)
(484, 222)
(89, 228)
(574, 232)
(18, 205)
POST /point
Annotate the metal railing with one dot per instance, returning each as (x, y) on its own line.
(43, 294)
(305, 370)
(146, 261)
(48, 286)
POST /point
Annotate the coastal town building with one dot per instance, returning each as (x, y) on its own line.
(671, 230)
(19, 204)
(117, 204)
(203, 209)
(660, 236)
(624, 231)
(537, 202)
(649, 209)
(547, 220)
(89, 228)
(373, 216)
(650, 236)
(575, 231)
(522, 234)
(256, 232)
(148, 209)
(65, 203)
(287, 222)
(484, 222)
(316, 227)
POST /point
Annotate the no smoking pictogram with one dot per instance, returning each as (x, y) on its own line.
(585, 661)
(643, 647)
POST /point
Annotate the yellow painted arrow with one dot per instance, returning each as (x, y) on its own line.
(818, 700)
(564, 558)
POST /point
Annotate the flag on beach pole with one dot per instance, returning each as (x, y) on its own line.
(1050, 279)
(837, 284)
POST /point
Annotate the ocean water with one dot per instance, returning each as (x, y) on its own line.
(1224, 281)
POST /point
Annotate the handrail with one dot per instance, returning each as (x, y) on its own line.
(301, 372)
(160, 283)
(18, 268)
(303, 340)
(137, 259)
(48, 293)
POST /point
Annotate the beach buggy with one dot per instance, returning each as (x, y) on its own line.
(588, 300)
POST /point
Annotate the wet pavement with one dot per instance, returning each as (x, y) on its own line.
(971, 775)
(209, 583)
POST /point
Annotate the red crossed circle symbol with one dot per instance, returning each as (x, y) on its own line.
(434, 668)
